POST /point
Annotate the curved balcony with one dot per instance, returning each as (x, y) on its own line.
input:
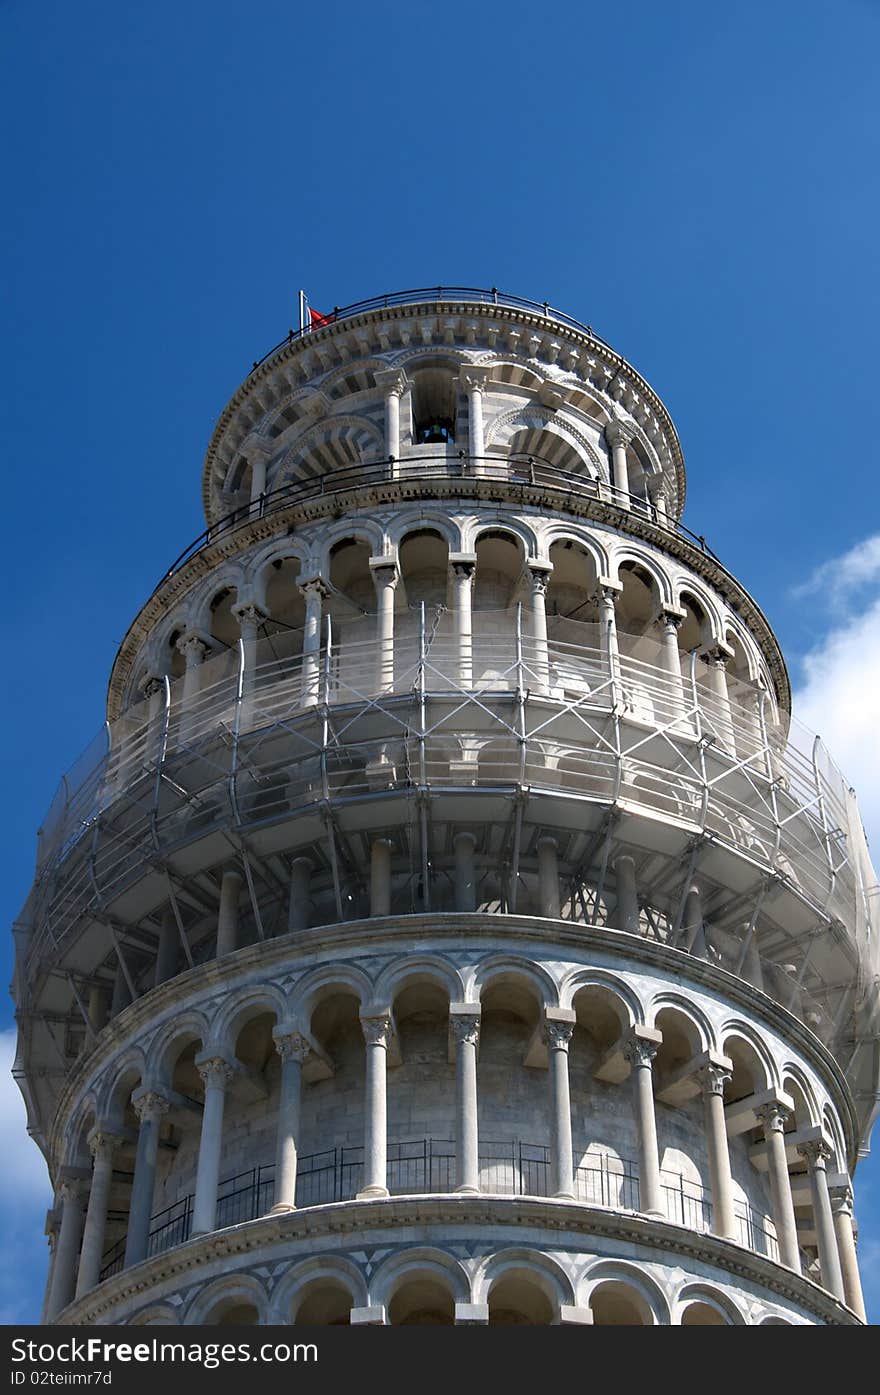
(428, 1166)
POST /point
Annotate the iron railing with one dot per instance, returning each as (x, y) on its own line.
(428, 1166)
(431, 470)
(440, 295)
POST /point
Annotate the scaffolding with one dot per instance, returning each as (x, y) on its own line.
(276, 752)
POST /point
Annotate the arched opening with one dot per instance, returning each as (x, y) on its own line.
(330, 1166)
(224, 627)
(433, 397)
(423, 558)
(324, 1304)
(517, 1299)
(680, 1115)
(577, 665)
(512, 1099)
(423, 1301)
(500, 559)
(233, 1312)
(421, 1092)
(606, 1168)
(617, 1304)
(701, 1314)
(548, 448)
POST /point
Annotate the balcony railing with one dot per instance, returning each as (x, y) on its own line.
(432, 470)
(427, 1165)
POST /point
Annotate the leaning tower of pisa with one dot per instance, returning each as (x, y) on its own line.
(449, 924)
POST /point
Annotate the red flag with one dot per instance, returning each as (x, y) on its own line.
(315, 320)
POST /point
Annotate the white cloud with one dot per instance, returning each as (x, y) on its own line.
(840, 579)
(840, 699)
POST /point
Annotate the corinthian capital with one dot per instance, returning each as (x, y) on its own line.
(392, 381)
(292, 1046)
(150, 1106)
(639, 1051)
(617, 433)
(713, 1078)
(816, 1151)
(376, 1028)
(773, 1116)
(215, 1071)
(465, 1028)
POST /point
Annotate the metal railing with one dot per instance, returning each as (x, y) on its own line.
(440, 295)
(428, 1166)
(435, 471)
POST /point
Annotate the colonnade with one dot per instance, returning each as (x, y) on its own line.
(81, 1233)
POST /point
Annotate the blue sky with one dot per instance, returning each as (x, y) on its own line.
(699, 183)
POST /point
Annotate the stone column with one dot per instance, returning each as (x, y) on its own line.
(463, 568)
(258, 477)
(102, 1146)
(773, 1118)
(227, 915)
(294, 1049)
(557, 1030)
(627, 895)
(670, 623)
(121, 992)
(393, 384)
(640, 1050)
(299, 905)
(385, 579)
(314, 593)
(216, 1074)
(817, 1152)
(713, 1078)
(153, 689)
(657, 495)
(693, 930)
(169, 943)
(618, 437)
(150, 1107)
(98, 1005)
(464, 844)
(51, 1233)
(377, 1030)
(539, 660)
(473, 380)
(194, 649)
(721, 718)
(380, 877)
(464, 1026)
(66, 1248)
(607, 600)
(842, 1211)
(548, 878)
(250, 617)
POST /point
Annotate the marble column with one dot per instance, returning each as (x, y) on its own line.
(670, 623)
(473, 380)
(250, 617)
(640, 1050)
(720, 719)
(557, 1032)
(299, 904)
(194, 650)
(842, 1211)
(314, 592)
(713, 1078)
(618, 437)
(380, 877)
(258, 477)
(393, 384)
(548, 878)
(377, 1031)
(150, 1107)
(817, 1152)
(103, 1148)
(169, 946)
(294, 1049)
(216, 1074)
(773, 1118)
(66, 1248)
(464, 1026)
(228, 913)
(463, 572)
(98, 1005)
(538, 662)
(385, 579)
(607, 600)
(464, 844)
(627, 911)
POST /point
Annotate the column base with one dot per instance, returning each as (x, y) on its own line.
(564, 1196)
(372, 1193)
(466, 1190)
(656, 1214)
(282, 1208)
